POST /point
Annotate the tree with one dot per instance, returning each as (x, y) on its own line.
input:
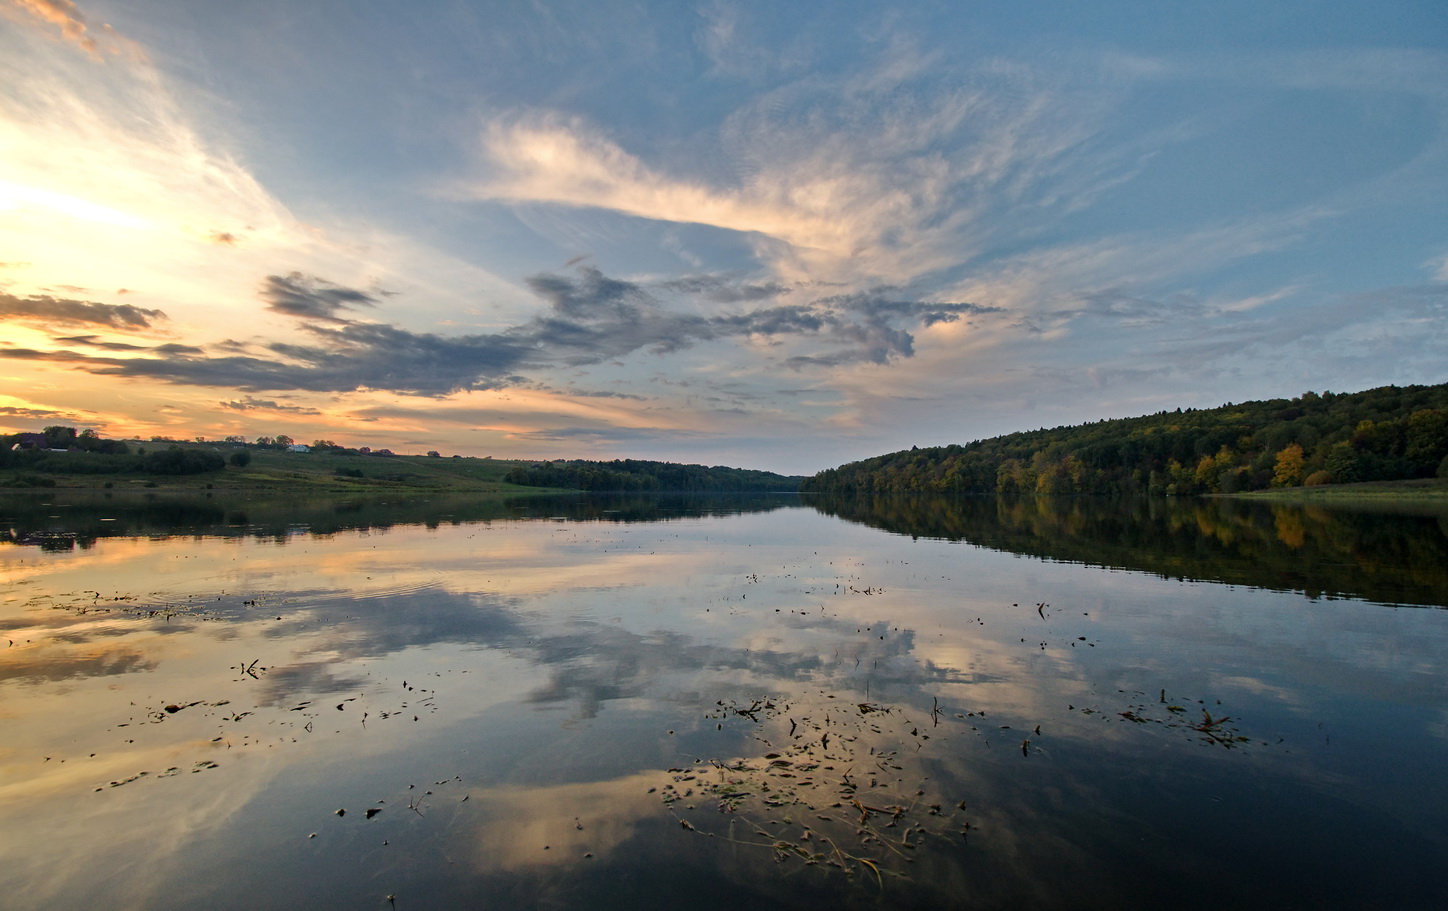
(57, 437)
(241, 458)
(175, 460)
(434, 454)
(1342, 464)
(1426, 439)
(1288, 468)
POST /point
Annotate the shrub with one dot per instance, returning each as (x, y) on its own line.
(175, 460)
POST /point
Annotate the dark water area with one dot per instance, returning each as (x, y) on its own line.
(768, 702)
(79, 519)
(1399, 556)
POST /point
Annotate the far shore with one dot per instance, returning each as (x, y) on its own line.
(309, 473)
(1433, 491)
(324, 474)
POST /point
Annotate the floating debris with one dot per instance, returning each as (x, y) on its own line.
(1220, 730)
(839, 765)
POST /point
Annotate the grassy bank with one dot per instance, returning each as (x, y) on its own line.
(1428, 491)
(312, 472)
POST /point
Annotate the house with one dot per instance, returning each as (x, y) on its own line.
(299, 447)
(28, 441)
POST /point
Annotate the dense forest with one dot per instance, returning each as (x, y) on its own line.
(1381, 434)
(636, 475)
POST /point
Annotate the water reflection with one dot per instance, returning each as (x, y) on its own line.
(1390, 557)
(59, 521)
(525, 712)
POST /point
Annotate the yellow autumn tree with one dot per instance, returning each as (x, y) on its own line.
(1289, 466)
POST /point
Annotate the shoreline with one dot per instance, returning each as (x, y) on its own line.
(1418, 491)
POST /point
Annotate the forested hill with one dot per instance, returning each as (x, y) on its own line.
(1382, 434)
(635, 474)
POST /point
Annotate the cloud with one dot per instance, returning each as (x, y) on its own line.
(734, 48)
(910, 165)
(311, 298)
(718, 289)
(251, 404)
(93, 341)
(604, 434)
(591, 318)
(47, 309)
(15, 411)
(63, 14)
(551, 158)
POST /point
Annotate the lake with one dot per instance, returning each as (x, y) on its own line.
(436, 703)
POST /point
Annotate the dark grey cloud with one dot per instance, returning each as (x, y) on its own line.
(46, 309)
(864, 326)
(590, 318)
(612, 318)
(232, 346)
(306, 297)
(722, 290)
(589, 296)
(36, 413)
(95, 341)
(251, 404)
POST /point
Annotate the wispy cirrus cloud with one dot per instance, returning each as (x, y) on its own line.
(887, 175)
(64, 15)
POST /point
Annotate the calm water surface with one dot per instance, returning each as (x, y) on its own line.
(720, 704)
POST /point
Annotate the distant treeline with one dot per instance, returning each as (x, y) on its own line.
(636, 475)
(1383, 434)
(60, 450)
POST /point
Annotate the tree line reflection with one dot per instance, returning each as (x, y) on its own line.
(1394, 558)
(59, 522)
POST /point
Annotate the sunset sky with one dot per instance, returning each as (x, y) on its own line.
(776, 236)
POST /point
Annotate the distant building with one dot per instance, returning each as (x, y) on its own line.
(299, 447)
(28, 441)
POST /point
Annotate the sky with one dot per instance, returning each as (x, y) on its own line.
(771, 236)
